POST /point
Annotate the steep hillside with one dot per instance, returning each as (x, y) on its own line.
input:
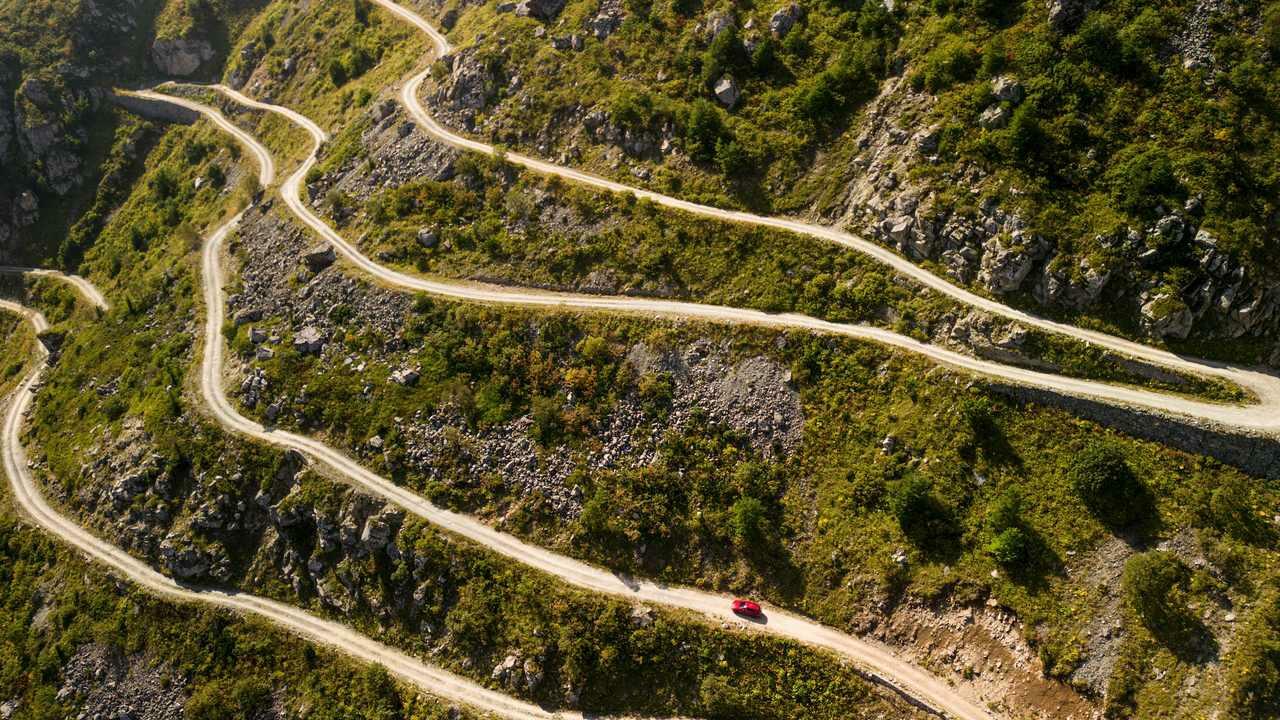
(65, 152)
(1106, 160)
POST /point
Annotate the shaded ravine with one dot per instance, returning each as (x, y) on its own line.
(1264, 416)
(28, 498)
(876, 661)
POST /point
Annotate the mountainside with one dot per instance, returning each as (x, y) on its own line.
(618, 358)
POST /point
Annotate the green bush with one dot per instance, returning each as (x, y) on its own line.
(1253, 670)
(952, 61)
(1153, 584)
(227, 699)
(1009, 548)
(1103, 480)
(748, 516)
(1270, 31)
(1139, 177)
(703, 129)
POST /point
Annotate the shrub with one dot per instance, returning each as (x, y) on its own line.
(548, 421)
(337, 72)
(1139, 177)
(1152, 584)
(631, 109)
(224, 699)
(748, 516)
(1009, 547)
(1271, 31)
(702, 130)
(1024, 138)
(361, 9)
(952, 61)
(1253, 671)
(1101, 477)
(918, 512)
(731, 158)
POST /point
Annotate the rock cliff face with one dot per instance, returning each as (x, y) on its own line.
(181, 57)
(993, 248)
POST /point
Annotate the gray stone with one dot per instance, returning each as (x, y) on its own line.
(994, 117)
(719, 23)
(309, 340)
(544, 10)
(1007, 89)
(319, 257)
(1004, 265)
(405, 376)
(1166, 316)
(726, 90)
(784, 19)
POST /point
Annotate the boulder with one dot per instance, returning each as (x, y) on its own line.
(405, 376)
(1166, 316)
(545, 10)
(427, 237)
(379, 528)
(180, 57)
(726, 90)
(1007, 89)
(784, 19)
(994, 117)
(26, 210)
(319, 257)
(309, 340)
(1065, 15)
(719, 23)
(1059, 286)
(607, 20)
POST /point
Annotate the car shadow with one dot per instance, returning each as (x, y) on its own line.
(762, 619)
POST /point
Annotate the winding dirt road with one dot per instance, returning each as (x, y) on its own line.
(876, 661)
(87, 290)
(882, 664)
(432, 680)
(1264, 416)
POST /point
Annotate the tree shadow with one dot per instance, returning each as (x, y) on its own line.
(1041, 562)
(1188, 638)
(991, 441)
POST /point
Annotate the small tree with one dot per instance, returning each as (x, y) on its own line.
(748, 516)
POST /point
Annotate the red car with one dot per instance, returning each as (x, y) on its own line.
(746, 608)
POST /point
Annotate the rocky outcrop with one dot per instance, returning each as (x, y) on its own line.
(49, 132)
(1077, 286)
(471, 84)
(993, 247)
(1166, 316)
(607, 19)
(1066, 15)
(182, 56)
(1007, 261)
